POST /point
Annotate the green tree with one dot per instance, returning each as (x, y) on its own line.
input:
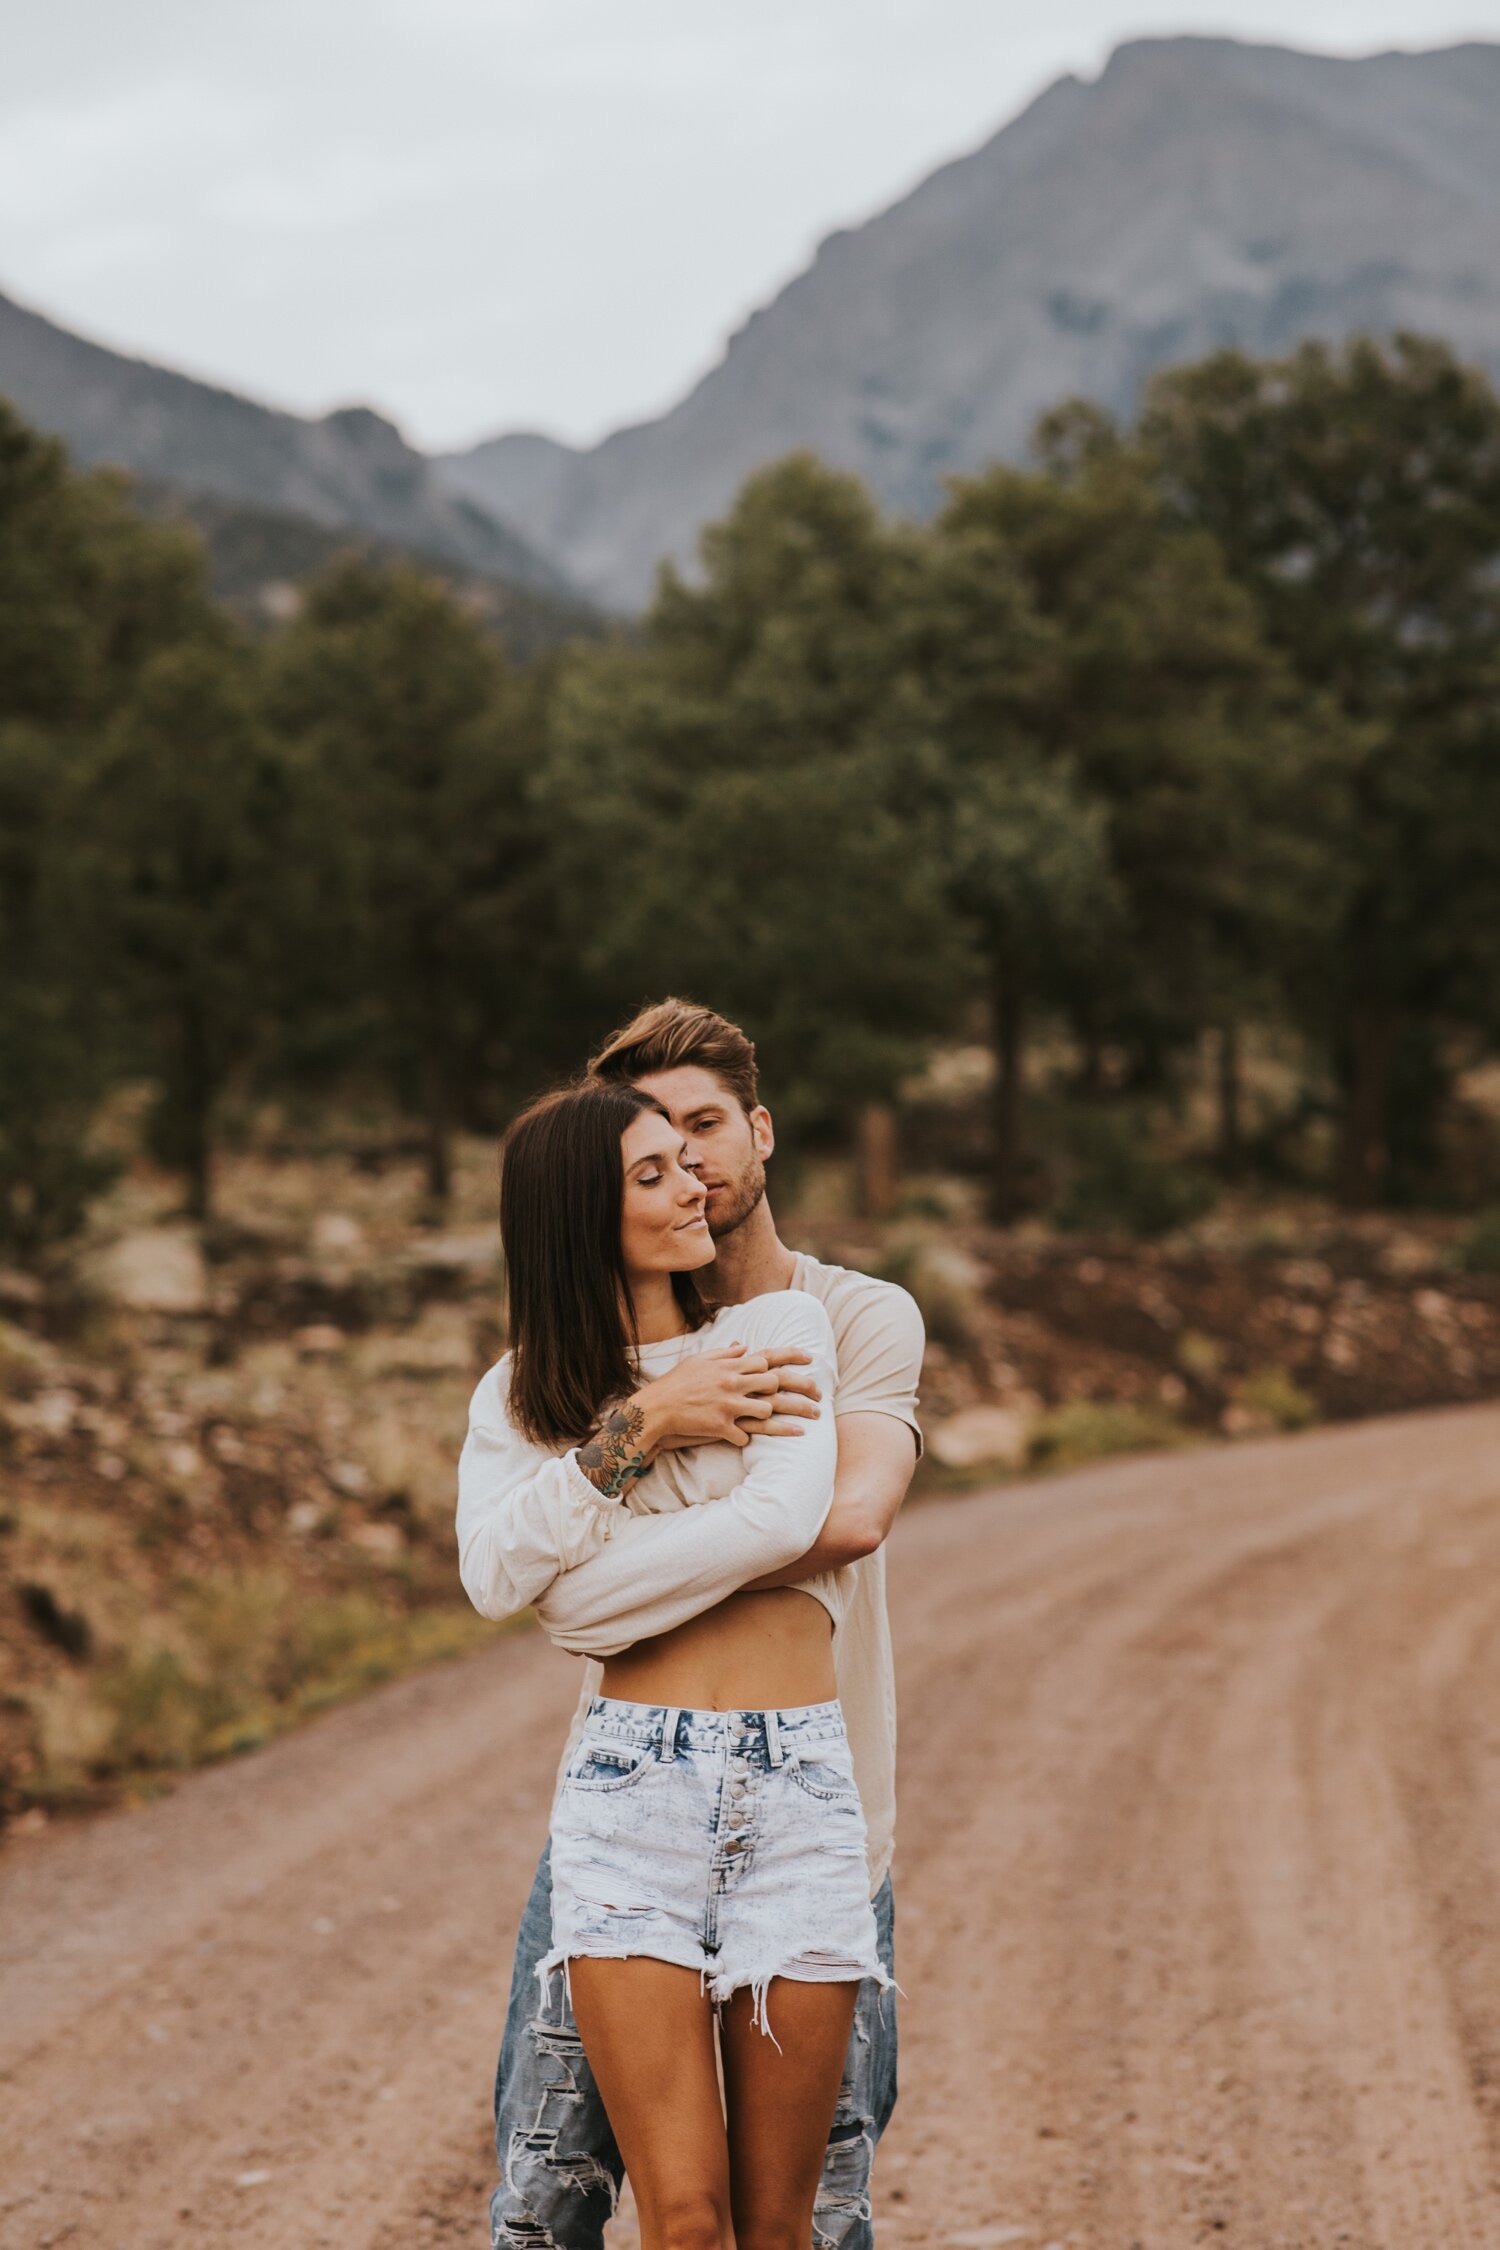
(55, 1050)
(727, 798)
(188, 812)
(1019, 849)
(89, 595)
(1356, 494)
(419, 747)
(1111, 728)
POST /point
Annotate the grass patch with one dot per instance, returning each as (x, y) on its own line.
(248, 1658)
(1271, 1395)
(1199, 1356)
(1068, 1437)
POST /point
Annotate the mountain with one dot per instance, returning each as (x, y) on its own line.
(260, 558)
(1199, 192)
(351, 470)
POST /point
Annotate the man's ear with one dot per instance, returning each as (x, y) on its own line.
(762, 1131)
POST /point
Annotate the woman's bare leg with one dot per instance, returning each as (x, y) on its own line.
(781, 2106)
(647, 2030)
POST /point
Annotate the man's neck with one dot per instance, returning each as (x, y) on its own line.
(750, 1261)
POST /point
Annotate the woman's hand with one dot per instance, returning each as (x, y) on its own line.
(728, 1397)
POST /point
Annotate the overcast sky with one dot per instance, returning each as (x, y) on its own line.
(495, 214)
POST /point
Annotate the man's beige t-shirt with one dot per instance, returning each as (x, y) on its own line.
(879, 1340)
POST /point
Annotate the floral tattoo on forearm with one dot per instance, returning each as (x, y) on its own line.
(612, 1457)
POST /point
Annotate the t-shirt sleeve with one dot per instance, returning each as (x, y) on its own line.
(656, 1571)
(881, 1341)
(524, 1512)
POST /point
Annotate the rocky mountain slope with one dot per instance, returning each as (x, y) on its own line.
(260, 559)
(351, 470)
(1200, 191)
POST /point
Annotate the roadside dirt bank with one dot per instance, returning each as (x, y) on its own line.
(1198, 1897)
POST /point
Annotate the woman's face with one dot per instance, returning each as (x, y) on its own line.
(662, 1226)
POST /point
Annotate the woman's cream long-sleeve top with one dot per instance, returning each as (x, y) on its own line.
(529, 1521)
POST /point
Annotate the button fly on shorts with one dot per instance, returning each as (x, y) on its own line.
(735, 1818)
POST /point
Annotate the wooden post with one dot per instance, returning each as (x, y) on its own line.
(875, 1161)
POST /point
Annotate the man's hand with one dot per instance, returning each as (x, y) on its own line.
(727, 1396)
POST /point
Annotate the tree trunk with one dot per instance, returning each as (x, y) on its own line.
(438, 1134)
(197, 1112)
(1421, 1086)
(1091, 1064)
(1229, 1091)
(1364, 1129)
(876, 1160)
(1006, 1018)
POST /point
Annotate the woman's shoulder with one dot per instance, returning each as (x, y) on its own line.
(490, 1405)
(780, 1316)
(496, 1379)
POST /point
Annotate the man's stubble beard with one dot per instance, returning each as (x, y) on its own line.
(749, 1193)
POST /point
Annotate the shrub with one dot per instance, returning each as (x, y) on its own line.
(252, 1657)
(1094, 1429)
(1118, 1181)
(159, 1718)
(1479, 1251)
(238, 1627)
(1272, 1395)
(1199, 1356)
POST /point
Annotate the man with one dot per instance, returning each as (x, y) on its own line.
(560, 2165)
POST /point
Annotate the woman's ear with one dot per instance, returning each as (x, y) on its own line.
(762, 1131)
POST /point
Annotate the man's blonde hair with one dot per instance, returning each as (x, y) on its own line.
(671, 1033)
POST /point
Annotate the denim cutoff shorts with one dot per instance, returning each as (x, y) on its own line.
(730, 1842)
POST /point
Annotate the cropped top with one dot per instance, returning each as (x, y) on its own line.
(527, 1514)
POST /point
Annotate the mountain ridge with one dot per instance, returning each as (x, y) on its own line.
(1200, 190)
(349, 470)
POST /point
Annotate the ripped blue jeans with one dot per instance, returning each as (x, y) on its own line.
(560, 2168)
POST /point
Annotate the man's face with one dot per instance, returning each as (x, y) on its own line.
(725, 1147)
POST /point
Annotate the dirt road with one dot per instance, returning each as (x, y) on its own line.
(1198, 1898)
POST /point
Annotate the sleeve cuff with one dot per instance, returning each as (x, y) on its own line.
(899, 1414)
(583, 1490)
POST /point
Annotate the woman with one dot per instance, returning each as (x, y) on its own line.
(708, 1844)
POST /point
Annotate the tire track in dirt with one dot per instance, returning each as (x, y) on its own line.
(1207, 2003)
(1198, 1898)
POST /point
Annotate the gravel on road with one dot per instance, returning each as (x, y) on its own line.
(1198, 1890)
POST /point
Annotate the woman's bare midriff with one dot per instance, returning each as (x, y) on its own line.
(753, 1652)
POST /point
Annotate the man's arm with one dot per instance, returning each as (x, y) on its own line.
(881, 1345)
(877, 1456)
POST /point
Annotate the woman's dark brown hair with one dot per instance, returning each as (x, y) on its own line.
(562, 1181)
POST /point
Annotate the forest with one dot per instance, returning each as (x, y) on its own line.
(1168, 760)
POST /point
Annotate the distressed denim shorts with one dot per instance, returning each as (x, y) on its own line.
(730, 1842)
